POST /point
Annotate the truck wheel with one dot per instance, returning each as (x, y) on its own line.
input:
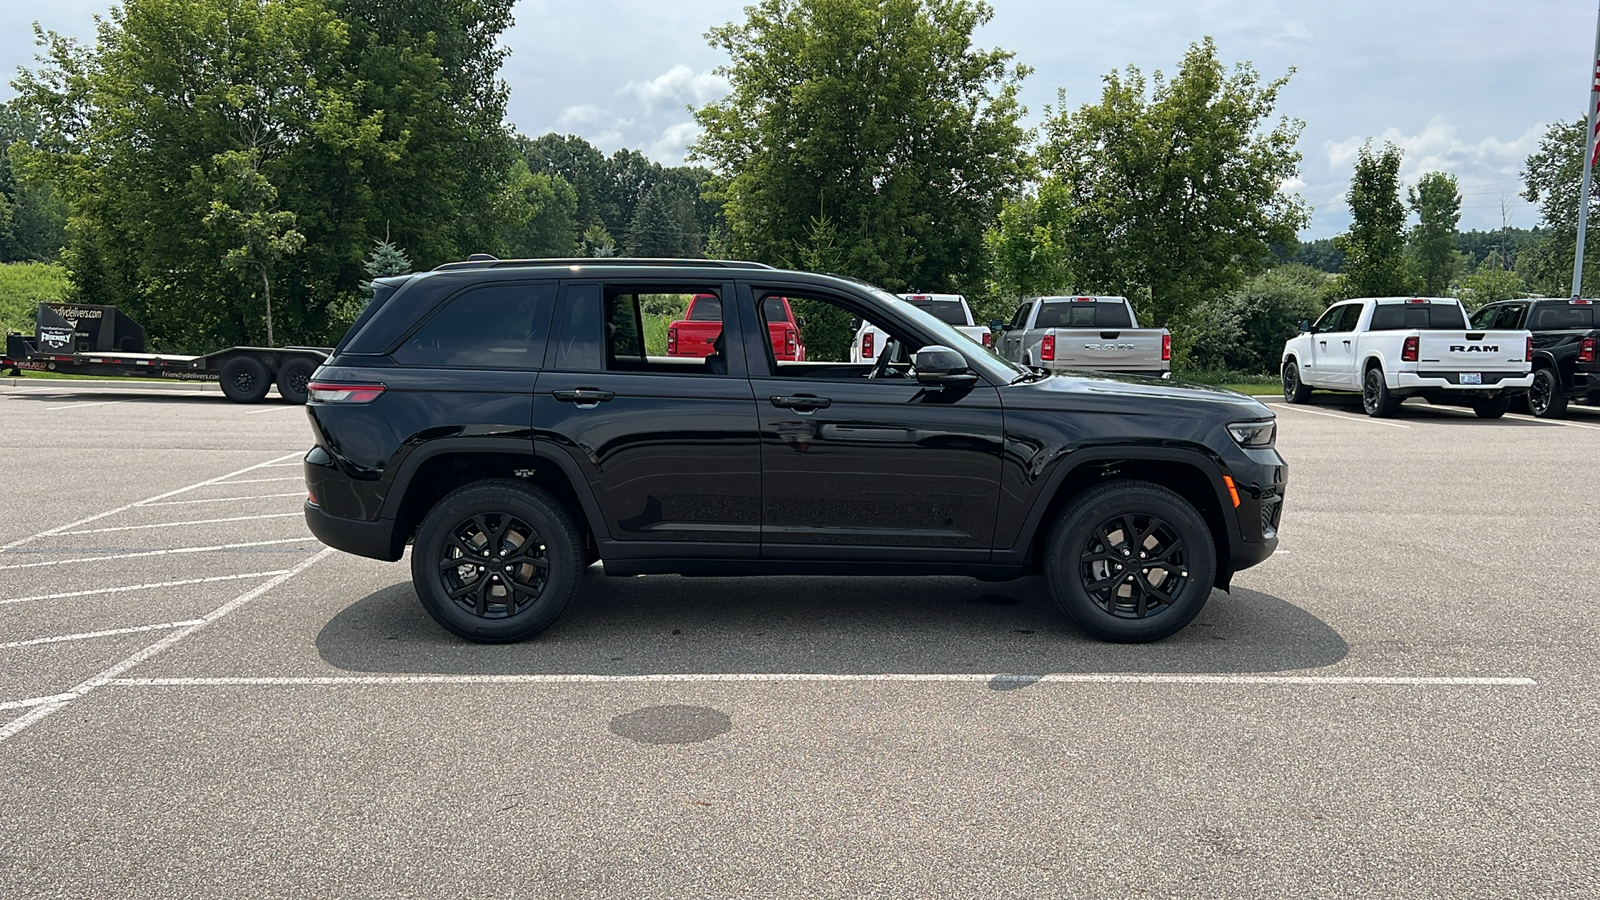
(1546, 399)
(496, 561)
(1375, 396)
(1492, 407)
(1294, 390)
(293, 378)
(1130, 561)
(244, 380)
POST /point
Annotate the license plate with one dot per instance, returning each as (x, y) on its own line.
(1472, 378)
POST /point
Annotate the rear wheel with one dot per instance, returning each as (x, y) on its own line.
(244, 380)
(1130, 561)
(1492, 407)
(496, 561)
(1546, 399)
(1375, 396)
(1294, 390)
(293, 378)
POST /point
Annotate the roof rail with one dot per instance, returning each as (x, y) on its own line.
(484, 261)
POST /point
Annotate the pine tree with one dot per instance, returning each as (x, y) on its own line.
(385, 260)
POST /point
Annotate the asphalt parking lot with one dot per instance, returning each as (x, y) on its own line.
(197, 700)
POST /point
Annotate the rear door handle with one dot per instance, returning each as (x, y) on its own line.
(802, 405)
(586, 398)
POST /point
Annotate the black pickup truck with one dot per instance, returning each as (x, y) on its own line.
(1564, 336)
(517, 421)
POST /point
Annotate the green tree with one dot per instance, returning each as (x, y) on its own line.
(1553, 179)
(1244, 331)
(664, 224)
(598, 242)
(1026, 253)
(1175, 186)
(550, 227)
(1436, 199)
(877, 116)
(33, 219)
(1491, 280)
(1374, 248)
(361, 116)
(386, 260)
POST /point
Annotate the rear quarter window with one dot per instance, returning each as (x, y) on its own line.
(1556, 317)
(1074, 314)
(1406, 316)
(501, 326)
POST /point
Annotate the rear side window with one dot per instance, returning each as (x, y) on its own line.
(1555, 317)
(706, 308)
(1075, 314)
(499, 326)
(1406, 316)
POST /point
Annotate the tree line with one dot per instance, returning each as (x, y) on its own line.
(233, 171)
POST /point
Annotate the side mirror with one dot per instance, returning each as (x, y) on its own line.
(937, 364)
(1304, 326)
(996, 326)
(799, 321)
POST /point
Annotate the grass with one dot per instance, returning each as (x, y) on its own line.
(23, 286)
(1251, 383)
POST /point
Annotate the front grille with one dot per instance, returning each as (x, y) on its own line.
(1271, 508)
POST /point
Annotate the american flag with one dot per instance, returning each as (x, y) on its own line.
(1594, 91)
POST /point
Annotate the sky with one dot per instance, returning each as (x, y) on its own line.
(1461, 86)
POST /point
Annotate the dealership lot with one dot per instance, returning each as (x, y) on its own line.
(197, 700)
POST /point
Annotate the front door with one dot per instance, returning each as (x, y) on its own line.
(1332, 347)
(859, 454)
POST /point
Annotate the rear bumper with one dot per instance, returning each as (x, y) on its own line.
(374, 540)
(1441, 381)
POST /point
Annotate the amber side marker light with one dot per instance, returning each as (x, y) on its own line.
(1233, 492)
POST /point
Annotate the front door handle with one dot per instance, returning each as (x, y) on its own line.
(1323, 343)
(585, 398)
(802, 405)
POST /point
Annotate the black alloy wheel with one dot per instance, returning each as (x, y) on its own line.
(497, 561)
(1546, 399)
(244, 380)
(1294, 390)
(294, 379)
(1130, 561)
(1375, 397)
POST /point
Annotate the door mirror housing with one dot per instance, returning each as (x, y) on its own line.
(938, 364)
(996, 326)
(1304, 325)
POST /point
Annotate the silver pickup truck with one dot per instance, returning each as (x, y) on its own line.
(1095, 333)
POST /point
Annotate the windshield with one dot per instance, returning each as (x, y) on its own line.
(983, 359)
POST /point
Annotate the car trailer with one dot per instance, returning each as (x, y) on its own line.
(85, 339)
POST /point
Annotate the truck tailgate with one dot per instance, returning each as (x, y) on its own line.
(1472, 351)
(1110, 350)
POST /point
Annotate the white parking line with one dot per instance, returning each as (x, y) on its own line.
(145, 587)
(33, 716)
(1551, 422)
(82, 405)
(193, 522)
(87, 635)
(1317, 412)
(224, 499)
(780, 677)
(124, 508)
(264, 480)
(34, 701)
(257, 412)
(140, 553)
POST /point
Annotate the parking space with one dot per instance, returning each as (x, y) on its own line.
(197, 700)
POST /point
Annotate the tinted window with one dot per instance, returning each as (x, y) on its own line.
(772, 310)
(1555, 317)
(1077, 314)
(706, 308)
(944, 310)
(495, 327)
(1020, 320)
(578, 329)
(1406, 316)
(1485, 318)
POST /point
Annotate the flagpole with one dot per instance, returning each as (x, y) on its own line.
(1588, 163)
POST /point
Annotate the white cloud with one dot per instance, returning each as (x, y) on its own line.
(676, 88)
(670, 148)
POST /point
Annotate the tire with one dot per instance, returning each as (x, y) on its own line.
(1083, 564)
(1491, 408)
(244, 379)
(473, 520)
(1546, 399)
(1375, 396)
(1294, 390)
(293, 378)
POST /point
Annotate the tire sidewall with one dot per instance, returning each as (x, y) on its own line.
(255, 368)
(1078, 523)
(563, 550)
(286, 379)
(1554, 405)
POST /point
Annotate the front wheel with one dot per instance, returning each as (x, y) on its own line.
(1294, 390)
(1130, 561)
(496, 561)
(1375, 396)
(1546, 399)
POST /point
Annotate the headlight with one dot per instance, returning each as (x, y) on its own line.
(1255, 435)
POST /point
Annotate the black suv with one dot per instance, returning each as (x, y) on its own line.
(516, 421)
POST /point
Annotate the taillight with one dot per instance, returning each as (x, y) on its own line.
(790, 345)
(1166, 347)
(1586, 350)
(328, 392)
(1047, 347)
(1409, 352)
(1528, 356)
(672, 340)
(988, 339)
(866, 345)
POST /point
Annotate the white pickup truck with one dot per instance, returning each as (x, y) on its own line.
(949, 308)
(1097, 333)
(1391, 348)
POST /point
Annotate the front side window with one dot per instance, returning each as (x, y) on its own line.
(1333, 319)
(499, 326)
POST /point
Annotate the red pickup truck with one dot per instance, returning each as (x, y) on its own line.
(693, 335)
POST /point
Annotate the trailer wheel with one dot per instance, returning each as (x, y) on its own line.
(244, 380)
(293, 378)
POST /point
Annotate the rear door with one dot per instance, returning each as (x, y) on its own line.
(1012, 347)
(669, 445)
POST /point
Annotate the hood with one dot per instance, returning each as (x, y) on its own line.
(1100, 390)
